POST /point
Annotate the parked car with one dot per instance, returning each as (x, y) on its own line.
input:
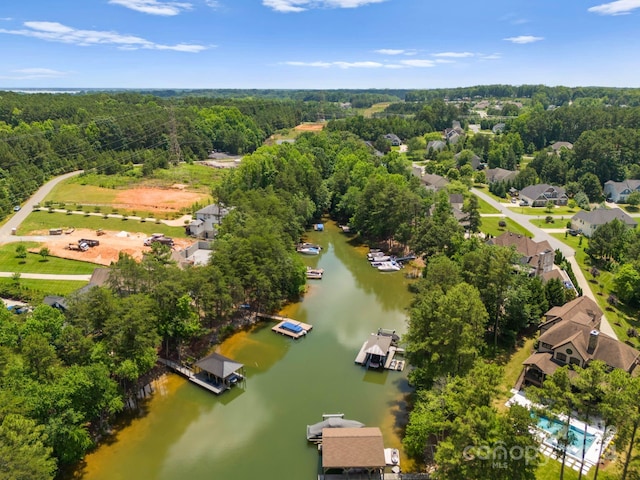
(574, 232)
(16, 208)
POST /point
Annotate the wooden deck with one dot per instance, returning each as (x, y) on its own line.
(283, 331)
(189, 375)
(391, 362)
(362, 355)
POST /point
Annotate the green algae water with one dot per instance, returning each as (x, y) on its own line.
(259, 431)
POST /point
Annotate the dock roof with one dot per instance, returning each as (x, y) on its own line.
(378, 345)
(218, 365)
(352, 448)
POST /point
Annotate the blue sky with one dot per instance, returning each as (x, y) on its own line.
(318, 43)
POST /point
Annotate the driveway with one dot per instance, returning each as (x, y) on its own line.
(36, 198)
(540, 235)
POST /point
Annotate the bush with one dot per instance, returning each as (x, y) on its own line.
(549, 219)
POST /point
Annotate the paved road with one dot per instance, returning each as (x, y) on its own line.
(48, 276)
(540, 235)
(36, 198)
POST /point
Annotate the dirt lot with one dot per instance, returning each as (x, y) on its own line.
(310, 127)
(157, 199)
(111, 243)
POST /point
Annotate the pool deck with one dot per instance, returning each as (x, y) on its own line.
(591, 455)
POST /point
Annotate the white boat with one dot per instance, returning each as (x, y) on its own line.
(389, 267)
(315, 273)
(381, 258)
(335, 420)
(309, 250)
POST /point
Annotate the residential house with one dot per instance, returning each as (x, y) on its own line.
(538, 257)
(498, 128)
(557, 146)
(619, 191)
(206, 221)
(452, 136)
(476, 161)
(393, 139)
(500, 175)
(570, 335)
(539, 195)
(559, 274)
(434, 182)
(436, 145)
(417, 170)
(587, 222)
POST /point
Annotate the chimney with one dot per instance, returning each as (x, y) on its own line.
(593, 341)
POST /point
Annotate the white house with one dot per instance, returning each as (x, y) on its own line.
(206, 221)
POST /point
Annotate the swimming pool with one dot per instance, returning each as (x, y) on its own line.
(576, 436)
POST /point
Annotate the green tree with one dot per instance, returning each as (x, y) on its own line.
(21, 251)
(591, 186)
(472, 209)
(44, 253)
(634, 199)
(626, 283)
(608, 241)
(23, 450)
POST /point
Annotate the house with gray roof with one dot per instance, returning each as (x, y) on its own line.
(476, 161)
(393, 139)
(434, 182)
(570, 335)
(436, 145)
(498, 128)
(206, 221)
(619, 191)
(557, 146)
(539, 195)
(589, 221)
(500, 175)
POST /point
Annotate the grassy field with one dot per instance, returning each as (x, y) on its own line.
(621, 317)
(551, 471)
(45, 287)
(490, 226)
(43, 220)
(98, 189)
(542, 212)
(34, 263)
(376, 108)
(512, 364)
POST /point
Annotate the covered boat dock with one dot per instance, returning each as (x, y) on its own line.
(219, 371)
(353, 451)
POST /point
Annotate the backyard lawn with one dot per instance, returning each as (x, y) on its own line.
(43, 221)
(542, 212)
(34, 263)
(490, 226)
(484, 207)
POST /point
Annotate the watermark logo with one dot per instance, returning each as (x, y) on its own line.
(500, 456)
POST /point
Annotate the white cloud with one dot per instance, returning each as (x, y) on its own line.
(418, 63)
(368, 64)
(56, 32)
(212, 3)
(492, 56)
(522, 39)
(294, 6)
(153, 7)
(6, 19)
(33, 73)
(619, 7)
(390, 51)
(453, 54)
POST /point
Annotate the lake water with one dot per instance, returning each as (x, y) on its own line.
(259, 431)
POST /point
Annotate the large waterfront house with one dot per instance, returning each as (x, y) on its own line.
(539, 195)
(536, 256)
(570, 335)
(619, 191)
(587, 222)
(206, 221)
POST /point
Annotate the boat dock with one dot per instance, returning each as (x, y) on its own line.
(390, 362)
(292, 328)
(191, 376)
(393, 364)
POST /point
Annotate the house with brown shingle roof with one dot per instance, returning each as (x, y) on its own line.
(538, 256)
(571, 335)
(353, 448)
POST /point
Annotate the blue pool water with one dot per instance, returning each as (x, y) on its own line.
(576, 436)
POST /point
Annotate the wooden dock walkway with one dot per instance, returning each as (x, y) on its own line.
(290, 333)
(362, 355)
(188, 373)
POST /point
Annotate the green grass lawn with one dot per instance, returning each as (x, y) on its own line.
(557, 223)
(376, 108)
(486, 191)
(34, 263)
(486, 208)
(69, 192)
(621, 317)
(44, 287)
(542, 212)
(550, 470)
(43, 221)
(490, 226)
(512, 364)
